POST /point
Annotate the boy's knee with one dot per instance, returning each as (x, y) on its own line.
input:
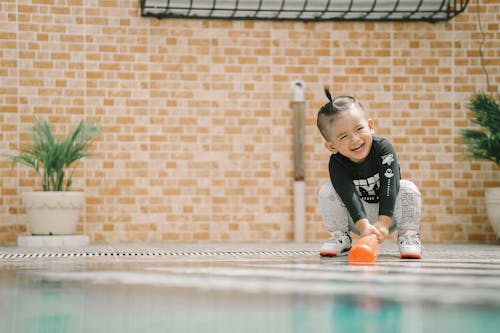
(326, 190)
(408, 206)
(406, 186)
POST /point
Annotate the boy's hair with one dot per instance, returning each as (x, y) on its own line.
(332, 109)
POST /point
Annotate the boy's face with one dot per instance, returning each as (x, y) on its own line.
(351, 135)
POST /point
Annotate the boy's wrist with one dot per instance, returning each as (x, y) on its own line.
(362, 225)
(385, 220)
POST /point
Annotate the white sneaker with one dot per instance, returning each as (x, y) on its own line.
(409, 245)
(338, 244)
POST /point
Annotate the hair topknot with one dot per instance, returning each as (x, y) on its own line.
(327, 93)
(334, 107)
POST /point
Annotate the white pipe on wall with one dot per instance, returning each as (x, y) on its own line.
(299, 186)
(299, 211)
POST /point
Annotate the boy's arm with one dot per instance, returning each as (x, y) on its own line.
(341, 181)
(382, 225)
(389, 182)
(389, 187)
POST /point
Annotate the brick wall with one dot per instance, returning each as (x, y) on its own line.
(196, 119)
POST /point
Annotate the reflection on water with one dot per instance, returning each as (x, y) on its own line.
(31, 303)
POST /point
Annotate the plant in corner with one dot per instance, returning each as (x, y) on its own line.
(55, 210)
(483, 143)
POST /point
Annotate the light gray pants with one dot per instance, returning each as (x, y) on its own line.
(406, 212)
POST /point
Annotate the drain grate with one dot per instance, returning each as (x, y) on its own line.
(215, 253)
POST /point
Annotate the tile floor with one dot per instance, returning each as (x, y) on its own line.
(246, 288)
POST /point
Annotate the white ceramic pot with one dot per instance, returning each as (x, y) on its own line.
(53, 213)
(492, 195)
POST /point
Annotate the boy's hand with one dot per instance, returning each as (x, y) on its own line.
(384, 231)
(382, 225)
(365, 228)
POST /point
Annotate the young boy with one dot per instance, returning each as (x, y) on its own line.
(365, 193)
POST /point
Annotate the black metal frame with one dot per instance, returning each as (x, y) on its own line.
(380, 10)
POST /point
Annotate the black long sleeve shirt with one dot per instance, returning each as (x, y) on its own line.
(374, 180)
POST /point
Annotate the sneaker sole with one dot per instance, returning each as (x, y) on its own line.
(333, 254)
(410, 256)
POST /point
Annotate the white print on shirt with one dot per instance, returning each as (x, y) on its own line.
(387, 159)
(368, 188)
(388, 173)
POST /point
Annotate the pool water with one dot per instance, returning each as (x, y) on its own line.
(248, 293)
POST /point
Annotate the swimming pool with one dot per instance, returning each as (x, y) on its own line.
(253, 289)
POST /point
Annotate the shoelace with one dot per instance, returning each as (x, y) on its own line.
(338, 236)
(410, 238)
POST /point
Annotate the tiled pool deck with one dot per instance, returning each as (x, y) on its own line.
(247, 288)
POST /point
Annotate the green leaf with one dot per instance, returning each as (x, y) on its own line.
(52, 158)
(483, 143)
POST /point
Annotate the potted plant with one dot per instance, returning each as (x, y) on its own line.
(483, 143)
(54, 210)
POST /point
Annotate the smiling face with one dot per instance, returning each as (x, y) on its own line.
(351, 135)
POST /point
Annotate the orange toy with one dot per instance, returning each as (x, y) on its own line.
(365, 250)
